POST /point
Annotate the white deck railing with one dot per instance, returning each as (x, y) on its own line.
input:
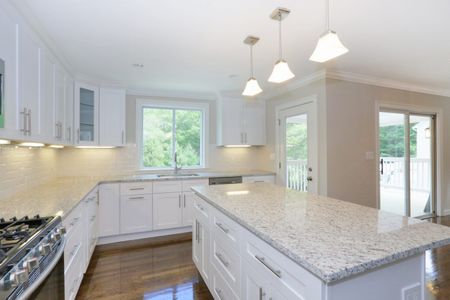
(393, 173)
(297, 174)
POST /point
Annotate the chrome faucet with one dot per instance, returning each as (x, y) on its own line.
(176, 168)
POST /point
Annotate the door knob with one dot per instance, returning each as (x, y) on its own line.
(309, 178)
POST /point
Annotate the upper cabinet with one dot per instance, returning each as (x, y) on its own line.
(241, 122)
(86, 104)
(112, 116)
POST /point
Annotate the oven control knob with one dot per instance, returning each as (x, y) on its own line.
(62, 230)
(55, 237)
(19, 277)
(45, 249)
(31, 263)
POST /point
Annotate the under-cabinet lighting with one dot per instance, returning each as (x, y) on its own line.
(237, 193)
(237, 146)
(95, 147)
(31, 144)
(56, 146)
(5, 142)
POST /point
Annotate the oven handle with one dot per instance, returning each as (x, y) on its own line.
(35, 285)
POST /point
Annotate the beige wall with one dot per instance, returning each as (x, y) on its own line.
(351, 114)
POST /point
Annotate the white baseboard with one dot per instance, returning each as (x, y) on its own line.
(446, 212)
(141, 235)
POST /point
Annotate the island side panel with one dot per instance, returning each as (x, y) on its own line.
(390, 282)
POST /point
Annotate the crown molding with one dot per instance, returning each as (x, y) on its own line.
(388, 83)
(207, 96)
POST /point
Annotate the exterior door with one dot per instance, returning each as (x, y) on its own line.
(407, 163)
(297, 161)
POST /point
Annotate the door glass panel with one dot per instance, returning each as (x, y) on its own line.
(421, 165)
(86, 115)
(297, 152)
(392, 162)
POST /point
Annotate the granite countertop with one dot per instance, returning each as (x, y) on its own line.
(332, 239)
(60, 196)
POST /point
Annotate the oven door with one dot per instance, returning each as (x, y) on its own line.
(50, 283)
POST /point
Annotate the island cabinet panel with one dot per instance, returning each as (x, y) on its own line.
(109, 210)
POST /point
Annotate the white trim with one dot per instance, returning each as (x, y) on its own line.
(202, 106)
(291, 104)
(388, 83)
(439, 145)
(209, 96)
(446, 212)
(141, 235)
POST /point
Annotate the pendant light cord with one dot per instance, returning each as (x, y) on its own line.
(327, 15)
(279, 37)
(251, 60)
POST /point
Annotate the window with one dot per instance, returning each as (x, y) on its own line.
(164, 130)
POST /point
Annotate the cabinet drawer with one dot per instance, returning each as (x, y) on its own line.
(226, 229)
(73, 245)
(167, 186)
(73, 276)
(220, 289)
(136, 188)
(286, 277)
(72, 220)
(226, 260)
(266, 178)
(187, 184)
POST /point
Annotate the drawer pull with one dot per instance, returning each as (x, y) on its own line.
(261, 293)
(136, 189)
(74, 250)
(222, 259)
(200, 207)
(74, 221)
(92, 219)
(224, 229)
(219, 293)
(135, 198)
(263, 261)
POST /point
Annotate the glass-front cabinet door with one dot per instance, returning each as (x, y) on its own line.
(86, 114)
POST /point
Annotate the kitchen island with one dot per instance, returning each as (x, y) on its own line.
(263, 241)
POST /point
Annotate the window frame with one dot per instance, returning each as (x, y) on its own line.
(174, 105)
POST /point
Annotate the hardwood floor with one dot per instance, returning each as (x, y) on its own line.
(156, 269)
(162, 269)
(438, 267)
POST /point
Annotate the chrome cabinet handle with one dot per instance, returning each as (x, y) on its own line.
(219, 293)
(261, 293)
(69, 133)
(136, 189)
(263, 261)
(24, 121)
(222, 259)
(200, 207)
(224, 229)
(78, 135)
(179, 200)
(29, 121)
(136, 198)
(123, 134)
(184, 198)
(92, 219)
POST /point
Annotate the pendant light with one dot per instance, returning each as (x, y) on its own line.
(281, 71)
(329, 46)
(252, 87)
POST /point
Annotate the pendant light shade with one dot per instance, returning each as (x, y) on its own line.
(281, 71)
(252, 87)
(329, 46)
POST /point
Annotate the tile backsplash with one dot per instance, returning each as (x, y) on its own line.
(22, 168)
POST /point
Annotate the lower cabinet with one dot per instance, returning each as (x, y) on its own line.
(201, 242)
(135, 213)
(167, 210)
(109, 209)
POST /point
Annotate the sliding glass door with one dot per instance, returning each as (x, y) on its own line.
(407, 168)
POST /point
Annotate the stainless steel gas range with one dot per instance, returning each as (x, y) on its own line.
(31, 258)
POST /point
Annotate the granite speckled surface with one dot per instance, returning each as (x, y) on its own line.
(332, 239)
(62, 195)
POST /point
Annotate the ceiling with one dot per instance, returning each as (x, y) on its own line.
(196, 45)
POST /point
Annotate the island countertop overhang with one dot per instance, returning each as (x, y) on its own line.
(332, 239)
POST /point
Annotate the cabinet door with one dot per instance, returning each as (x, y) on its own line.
(29, 83)
(86, 114)
(48, 123)
(68, 109)
(254, 121)
(196, 247)
(229, 122)
(167, 211)
(9, 118)
(254, 285)
(109, 210)
(204, 241)
(112, 117)
(188, 208)
(135, 213)
(59, 104)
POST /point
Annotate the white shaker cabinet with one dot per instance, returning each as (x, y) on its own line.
(188, 207)
(86, 104)
(48, 123)
(109, 210)
(135, 213)
(167, 210)
(112, 117)
(68, 133)
(240, 122)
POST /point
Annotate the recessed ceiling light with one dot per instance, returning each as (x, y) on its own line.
(138, 65)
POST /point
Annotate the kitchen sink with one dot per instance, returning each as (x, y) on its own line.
(177, 175)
